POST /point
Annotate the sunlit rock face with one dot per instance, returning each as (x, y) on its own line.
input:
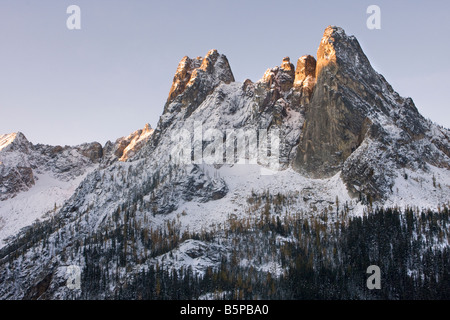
(182, 76)
(133, 143)
(127, 147)
(305, 75)
(196, 78)
(280, 78)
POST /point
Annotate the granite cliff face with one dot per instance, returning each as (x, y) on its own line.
(334, 125)
(353, 110)
(305, 74)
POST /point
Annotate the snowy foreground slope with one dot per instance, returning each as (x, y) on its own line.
(40, 202)
(220, 189)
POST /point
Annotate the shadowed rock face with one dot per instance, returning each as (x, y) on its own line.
(194, 80)
(333, 129)
(351, 103)
(14, 180)
(334, 126)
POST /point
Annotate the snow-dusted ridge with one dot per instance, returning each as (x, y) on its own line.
(36, 180)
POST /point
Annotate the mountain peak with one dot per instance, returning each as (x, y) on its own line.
(337, 50)
(287, 65)
(182, 76)
(326, 54)
(147, 127)
(209, 60)
(13, 141)
(190, 71)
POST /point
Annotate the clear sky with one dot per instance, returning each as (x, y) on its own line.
(61, 86)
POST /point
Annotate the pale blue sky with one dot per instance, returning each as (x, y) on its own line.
(111, 77)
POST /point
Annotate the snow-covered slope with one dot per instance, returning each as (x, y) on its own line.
(36, 180)
(38, 203)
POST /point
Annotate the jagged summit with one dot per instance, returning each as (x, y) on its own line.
(183, 76)
(193, 75)
(13, 141)
(343, 106)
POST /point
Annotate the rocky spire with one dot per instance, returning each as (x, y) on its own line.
(326, 54)
(207, 72)
(182, 76)
(340, 53)
(125, 148)
(344, 113)
(334, 126)
(194, 80)
(280, 78)
(286, 65)
(305, 74)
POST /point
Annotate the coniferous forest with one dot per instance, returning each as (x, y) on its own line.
(269, 252)
(325, 262)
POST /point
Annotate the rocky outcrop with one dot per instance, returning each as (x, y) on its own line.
(135, 142)
(14, 180)
(326, 53)
(286, 75)
(182, 76)
(337, 116)
(280, 78)
(192, 83)
(126, 147)
(14, 142)
(16, 174)
(305, 75)
(93, 151)
(272, 93)
(195, 79)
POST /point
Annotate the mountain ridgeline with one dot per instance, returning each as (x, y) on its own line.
(363, 179)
